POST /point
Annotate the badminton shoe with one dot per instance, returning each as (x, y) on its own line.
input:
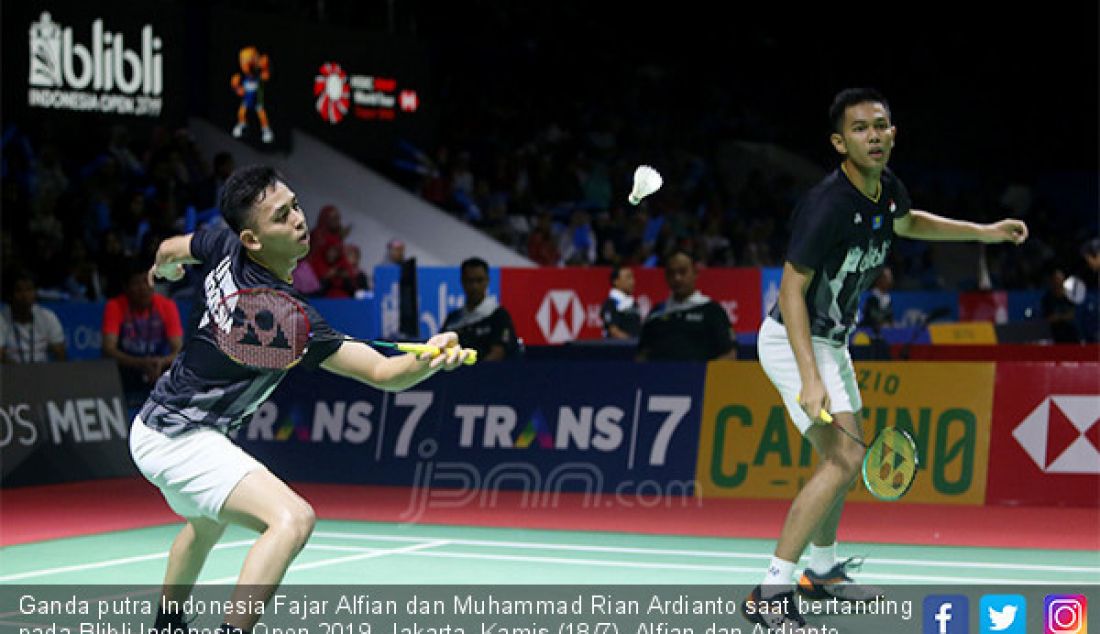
(837, 583)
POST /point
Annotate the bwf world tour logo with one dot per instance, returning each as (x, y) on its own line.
(103, 76)
(369, 97)
(332, 92)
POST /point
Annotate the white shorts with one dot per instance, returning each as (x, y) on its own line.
(196, 471)
(834, 364)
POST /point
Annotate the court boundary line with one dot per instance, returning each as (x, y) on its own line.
(673, 566)
(107, 563)
(366, 554)
(708, 553)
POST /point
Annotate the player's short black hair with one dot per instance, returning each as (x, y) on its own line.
(850, 97)
(243, 189)
(615, 270)
(470, 263)
(1091, 247)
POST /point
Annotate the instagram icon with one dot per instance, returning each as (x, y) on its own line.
(1065, 614)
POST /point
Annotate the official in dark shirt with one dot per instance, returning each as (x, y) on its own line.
(178, 440)
(841, 232)
(688, 326)
(482, 324)
(620, 314)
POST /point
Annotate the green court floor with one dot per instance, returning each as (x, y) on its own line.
(384, 553)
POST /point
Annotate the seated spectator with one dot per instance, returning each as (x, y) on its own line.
(142, 332)
(578, 241)
(542, 247)
(29, 333)
(621, 318)
(688, 326)
(353, 255)
(482, 324)
(878, 312)
(395, 253)
(333, 272)
(330, 231)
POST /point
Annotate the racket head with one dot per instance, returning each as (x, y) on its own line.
(261, 328)
(890, 464)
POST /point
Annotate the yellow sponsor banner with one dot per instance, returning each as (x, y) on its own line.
(962, 333)
(749, 448)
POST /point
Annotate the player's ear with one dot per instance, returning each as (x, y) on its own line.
(837, 140)
(250, 240)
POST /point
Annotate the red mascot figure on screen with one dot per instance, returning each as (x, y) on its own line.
(249, 86)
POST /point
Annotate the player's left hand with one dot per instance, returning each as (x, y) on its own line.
(1007, 230)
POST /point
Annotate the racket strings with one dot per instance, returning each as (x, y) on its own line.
(267, 330)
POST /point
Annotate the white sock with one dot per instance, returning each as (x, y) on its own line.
(778, 579)
(822, 558)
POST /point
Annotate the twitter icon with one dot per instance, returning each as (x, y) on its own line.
(1003, 614)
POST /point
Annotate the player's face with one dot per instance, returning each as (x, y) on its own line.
(280, 225)
(867, 136)
(475, 283)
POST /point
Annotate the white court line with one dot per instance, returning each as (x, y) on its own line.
(710, 553)
(672, 566)
(366, 553)
(108, 563)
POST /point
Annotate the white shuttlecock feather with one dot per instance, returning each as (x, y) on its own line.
(646, 181)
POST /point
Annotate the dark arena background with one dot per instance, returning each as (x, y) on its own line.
(582, 469)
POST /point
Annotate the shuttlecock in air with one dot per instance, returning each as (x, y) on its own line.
(646, 181)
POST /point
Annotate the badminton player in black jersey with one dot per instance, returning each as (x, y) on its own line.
(178, 440)
(841, 232)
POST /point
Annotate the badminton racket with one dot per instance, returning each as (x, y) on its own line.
(267, 329)
(890, 461)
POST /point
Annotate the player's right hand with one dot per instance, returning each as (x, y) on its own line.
(814, 399)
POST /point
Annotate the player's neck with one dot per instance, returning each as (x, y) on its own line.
(282, 270)
(868, 182)
(22, 314)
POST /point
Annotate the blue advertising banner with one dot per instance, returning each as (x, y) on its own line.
(439, 290)
(538, 428)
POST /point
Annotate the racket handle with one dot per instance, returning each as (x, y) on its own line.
(417, 348)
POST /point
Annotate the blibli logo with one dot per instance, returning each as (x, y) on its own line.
(58, 62)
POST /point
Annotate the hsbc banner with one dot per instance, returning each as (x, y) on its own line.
(62, 422)
(540, 428)
(104, 59)
(556, 306)
(1045, 449)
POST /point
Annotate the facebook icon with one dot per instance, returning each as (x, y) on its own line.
(946, 614)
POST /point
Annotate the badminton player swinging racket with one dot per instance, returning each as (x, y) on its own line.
(178, 440)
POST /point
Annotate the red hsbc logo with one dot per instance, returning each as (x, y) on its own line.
(1062, 434)
(560, 316)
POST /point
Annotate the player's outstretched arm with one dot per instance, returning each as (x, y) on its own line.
(361, 362)
(924, 225)
(172, 254)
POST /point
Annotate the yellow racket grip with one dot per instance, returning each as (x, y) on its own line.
(825, 416)
(417, 348)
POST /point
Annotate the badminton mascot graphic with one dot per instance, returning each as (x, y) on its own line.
(249, 86)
